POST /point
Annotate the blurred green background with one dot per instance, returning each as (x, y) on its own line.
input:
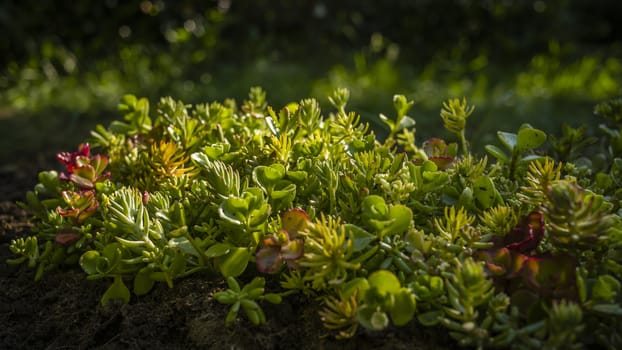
(64, 64)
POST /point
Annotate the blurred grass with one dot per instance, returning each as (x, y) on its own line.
(53, 99)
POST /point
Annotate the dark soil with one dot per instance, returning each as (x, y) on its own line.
(63, 310)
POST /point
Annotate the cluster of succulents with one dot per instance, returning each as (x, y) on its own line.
(525, 252)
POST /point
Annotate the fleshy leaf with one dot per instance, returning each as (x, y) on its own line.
(379, 320)
(508, 139)
(430, 318)
(400, 216)
(143, 282)
(294, 221)
(233, 263)
(267, 176)
(526, 236)
(268, 259)
(88, 262)
(374, 207)
(67, 238)
(360, 237)
(442, 162)
(606, 288)
(609, 309)
(372, 319)
(484, 192)
(117, 290)
(358, 284)
(404, 307)
(385, 282)
(218, 249)
(292, 250)
(551, 275)
(529, 138)
(497, 153)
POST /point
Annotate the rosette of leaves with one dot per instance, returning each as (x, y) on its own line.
(454, 114)
(514, 258)
(468, 291)
(385, 301)
(284, 245)
(577, 219)
(439, 152)
(272, 180)
(246, 298)
(328, 255)
(384, 219)
(340, 313)
(83, 169)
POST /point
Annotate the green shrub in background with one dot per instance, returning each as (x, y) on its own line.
(522, 252)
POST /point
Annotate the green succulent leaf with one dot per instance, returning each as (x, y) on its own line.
(508, 139)
(401, 217)
(374, 207)
(402, 105)
(404, 306)
(143, 283)
(529, 138)
(430, 318)
(361, 238)
(88, 262)
(385, 282)
(497, 153)
(372, 318)
(117, 290)
(268, 176)
(609, 309)
(218, 249)
(233, 263)
(484, 192)
(359, 284)
(606, 289)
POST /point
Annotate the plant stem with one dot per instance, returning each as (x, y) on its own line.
(463, 143)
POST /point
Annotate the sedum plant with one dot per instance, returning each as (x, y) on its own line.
(523, 250)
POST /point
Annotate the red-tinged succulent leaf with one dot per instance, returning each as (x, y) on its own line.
(435, 147)
(503, 262)
(518, 261)
(442, 162)
(88, 212)
(526, 236)
(67, 212)
(66, 237)
(270, 241)
(496, 270)
(294, 221)
(69, 158)
(83, 204)
(438, 153)
(498, 261)
(146, 197)
(79, 200)
(84, 149)
(268, 259)
(99, 163)
(81, 182)
(293, 250)
(551, 275)
(82, 161)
